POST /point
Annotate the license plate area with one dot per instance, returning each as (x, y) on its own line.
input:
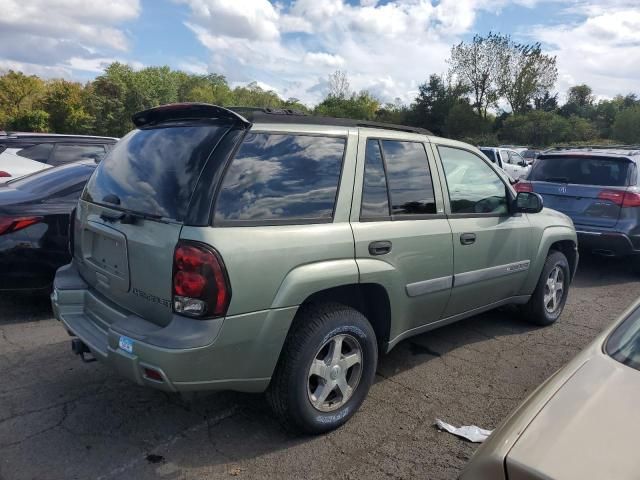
(105, 251)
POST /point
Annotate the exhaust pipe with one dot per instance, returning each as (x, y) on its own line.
(80, 348)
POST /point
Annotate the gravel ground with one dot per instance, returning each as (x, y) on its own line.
(62, 419)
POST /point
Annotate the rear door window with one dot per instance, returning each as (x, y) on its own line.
(39, 153)
(375, 196)
(409, 177)
(277, 178)
(610, 172)
(154, 171)
(491, 154)
(66, 153)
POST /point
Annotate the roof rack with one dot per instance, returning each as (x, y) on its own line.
(285, 115)
(594, 147)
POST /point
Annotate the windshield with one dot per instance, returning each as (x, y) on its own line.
(624, 344)
(582, 170)
(153, 171)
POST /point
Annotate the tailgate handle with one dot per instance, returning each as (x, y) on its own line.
(381, 247)
(467, 238)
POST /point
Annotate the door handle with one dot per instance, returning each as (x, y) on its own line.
(467, 238)
(381, 247)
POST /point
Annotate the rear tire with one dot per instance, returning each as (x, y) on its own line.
(326, 367)
(547, 302)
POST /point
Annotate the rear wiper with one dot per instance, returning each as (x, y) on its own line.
(127, 217)
(557, 179)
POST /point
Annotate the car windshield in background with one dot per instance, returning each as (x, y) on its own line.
(582, 170)
(491, 154)
(153, 171)
(624, 344)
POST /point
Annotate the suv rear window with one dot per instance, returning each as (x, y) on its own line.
(154, 171)
(582, 170)
(282, 177)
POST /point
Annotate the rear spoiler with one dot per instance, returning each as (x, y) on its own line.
(184, 111)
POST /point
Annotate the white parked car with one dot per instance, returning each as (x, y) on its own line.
(24, 153)
(509, 160)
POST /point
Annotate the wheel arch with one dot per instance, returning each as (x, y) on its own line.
(558, 238)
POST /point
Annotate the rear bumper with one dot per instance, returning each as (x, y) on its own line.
(606, 242)
(235, 353)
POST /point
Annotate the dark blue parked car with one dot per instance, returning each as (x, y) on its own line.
(599, 189)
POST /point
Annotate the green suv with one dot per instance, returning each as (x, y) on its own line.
(262, 250)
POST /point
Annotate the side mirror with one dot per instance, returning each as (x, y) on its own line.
(523, 163)
(529, 202)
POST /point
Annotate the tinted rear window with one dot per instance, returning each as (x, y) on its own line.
(609, 172)
(154, 171)
(39, 153)
(409, 178)
(280, 177)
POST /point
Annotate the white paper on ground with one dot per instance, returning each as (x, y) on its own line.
(470, 432)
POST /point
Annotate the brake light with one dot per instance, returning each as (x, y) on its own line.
(200, 282)
(623, 199)
(523, 187)
(4, 174)
(13, 224)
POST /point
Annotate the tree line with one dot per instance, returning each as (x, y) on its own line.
(494, 91)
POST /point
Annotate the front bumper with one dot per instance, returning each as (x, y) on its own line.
(606, 242)
(238, 352)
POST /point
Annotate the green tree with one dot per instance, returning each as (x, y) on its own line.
(18, 93)
(435, 100)
(65, 103)
(525, 74)
(626, 127)
(462, 121)
(580, 95)
(29, 121)
(361, 106)
(477, 66)
(536, 127)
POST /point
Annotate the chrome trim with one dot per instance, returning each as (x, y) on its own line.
(589, 233)
(474, 276)
(429, 286)
(517, 300)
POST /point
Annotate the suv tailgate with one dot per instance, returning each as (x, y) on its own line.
(131, 214)
(582, 186)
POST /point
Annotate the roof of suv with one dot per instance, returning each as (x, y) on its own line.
(52, 138)
(627, 151)
(249, 115)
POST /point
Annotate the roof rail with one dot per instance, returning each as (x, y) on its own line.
(594, 147)
(285, 115)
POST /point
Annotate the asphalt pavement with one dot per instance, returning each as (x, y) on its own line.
(63, 419)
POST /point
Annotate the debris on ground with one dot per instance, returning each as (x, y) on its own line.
(470, 432)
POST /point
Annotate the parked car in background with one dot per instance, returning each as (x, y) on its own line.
(281, 252)
(509, 160)
(530, 155)
(579, 423)
(599, 189)
(34, 224)
(516, 148)
(24, 153)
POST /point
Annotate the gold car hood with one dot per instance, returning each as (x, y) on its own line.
(589, 428)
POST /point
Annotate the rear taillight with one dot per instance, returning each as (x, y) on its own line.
(522, 186)
(619, 197)
(200, 283)
(4, 174)
(13, 224)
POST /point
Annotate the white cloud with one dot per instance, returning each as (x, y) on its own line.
(601, 49)
(57, 36)
(387, 47)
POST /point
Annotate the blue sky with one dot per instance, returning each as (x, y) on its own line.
(387, 47)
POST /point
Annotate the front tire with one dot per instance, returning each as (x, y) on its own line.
(547, 302)
(325, 370)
